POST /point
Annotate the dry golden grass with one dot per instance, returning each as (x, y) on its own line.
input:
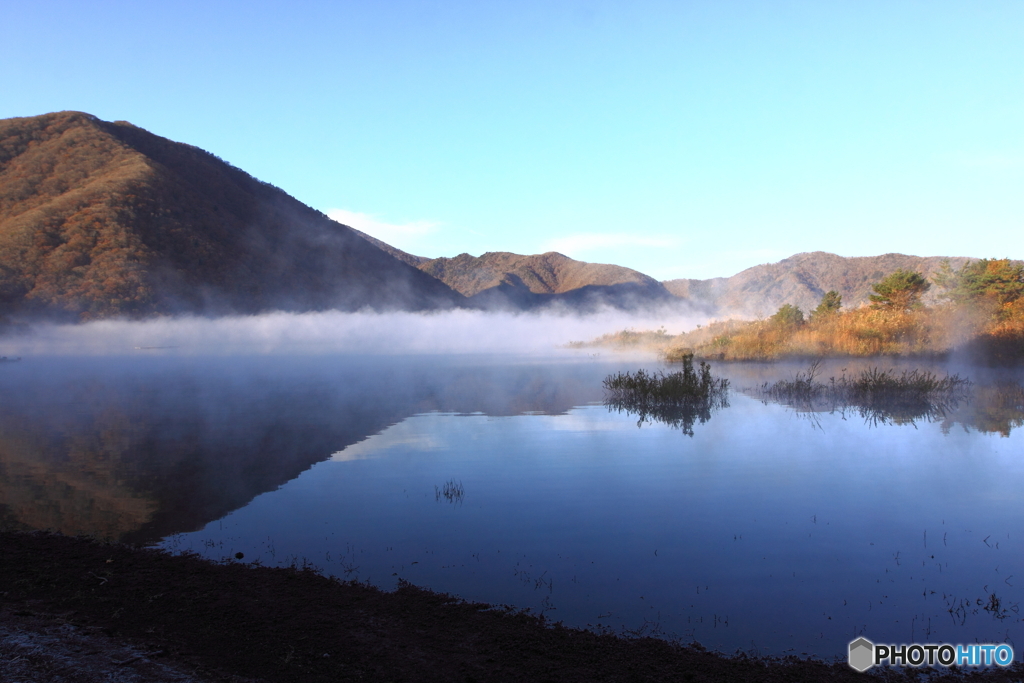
(1002, 339)
(991, 332)
(657, 341)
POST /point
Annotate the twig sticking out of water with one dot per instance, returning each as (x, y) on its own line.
(452, 491)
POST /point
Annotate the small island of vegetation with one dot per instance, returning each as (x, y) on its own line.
(679, 398)
(880, 396)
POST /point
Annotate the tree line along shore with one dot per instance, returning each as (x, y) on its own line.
(979, 311)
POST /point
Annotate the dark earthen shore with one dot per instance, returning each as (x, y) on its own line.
(172, 617)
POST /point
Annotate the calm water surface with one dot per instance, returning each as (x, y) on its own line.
(771, 529)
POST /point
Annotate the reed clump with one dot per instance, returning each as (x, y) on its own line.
(881, 396)
(679, 399)
(871, 384)
(685, 385)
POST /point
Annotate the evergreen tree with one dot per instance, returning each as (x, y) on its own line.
(788, 316)
(899, 291)
(999, 280)
(831, 302)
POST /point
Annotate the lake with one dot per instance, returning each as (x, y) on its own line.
(772, 529)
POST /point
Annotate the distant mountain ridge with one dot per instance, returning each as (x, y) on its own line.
(101, 219)
(801, 280)
(505, 280)
(513, 280)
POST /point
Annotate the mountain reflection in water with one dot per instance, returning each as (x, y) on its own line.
(136, 449)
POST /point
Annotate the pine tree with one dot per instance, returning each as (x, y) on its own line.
(787, 316)
(831, 302)
(899, 291)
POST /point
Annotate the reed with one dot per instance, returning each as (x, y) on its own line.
(870, 384)
(679, 399)
(881, 396)
(452, 491)
(682, 386)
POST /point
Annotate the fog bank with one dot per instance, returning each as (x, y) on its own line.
(456, 331)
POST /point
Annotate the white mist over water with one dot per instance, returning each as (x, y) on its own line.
(364, 332)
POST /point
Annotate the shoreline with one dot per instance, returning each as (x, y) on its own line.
(239, 622)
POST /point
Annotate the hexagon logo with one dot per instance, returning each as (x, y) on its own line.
(862, 654)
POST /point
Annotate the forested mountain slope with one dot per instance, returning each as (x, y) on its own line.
(514, 280)
(101, 219)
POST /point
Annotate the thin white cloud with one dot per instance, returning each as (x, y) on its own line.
(583, 242)
(399, 235)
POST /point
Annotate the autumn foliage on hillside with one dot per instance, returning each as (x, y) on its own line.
(102, 219)
(64, 241)
(981, 312)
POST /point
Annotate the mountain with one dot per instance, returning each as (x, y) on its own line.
(101, 219)
(801, 280)
(405, 257)
(505, 280)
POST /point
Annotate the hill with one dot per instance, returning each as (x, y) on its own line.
(101, 219)
(404, 256)
(503, 279)
(801, 280)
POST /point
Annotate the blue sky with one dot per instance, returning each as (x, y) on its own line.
(683, 139)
